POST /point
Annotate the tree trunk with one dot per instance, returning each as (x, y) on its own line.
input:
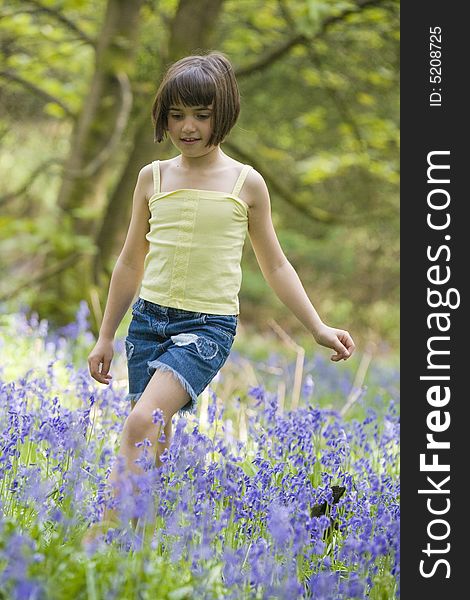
(96, 134)
(106, 109)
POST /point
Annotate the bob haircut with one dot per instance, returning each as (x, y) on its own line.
(199, 80)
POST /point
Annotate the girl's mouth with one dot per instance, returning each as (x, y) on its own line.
(189, 140)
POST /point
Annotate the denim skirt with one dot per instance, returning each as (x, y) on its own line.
(193, 346)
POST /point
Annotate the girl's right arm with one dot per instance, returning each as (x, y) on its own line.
(125, 280)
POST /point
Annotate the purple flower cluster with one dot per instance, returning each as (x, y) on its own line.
(239, 517)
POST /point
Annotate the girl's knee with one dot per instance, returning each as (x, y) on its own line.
(139, 425)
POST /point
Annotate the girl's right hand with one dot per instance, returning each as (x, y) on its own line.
(102, 354)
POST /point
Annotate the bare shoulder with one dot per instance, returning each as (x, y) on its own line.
(145, 180)
(165, 163)
(146, 172)
(255, 191)
(169, 173)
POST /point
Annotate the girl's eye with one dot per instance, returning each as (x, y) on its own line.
(180, 116)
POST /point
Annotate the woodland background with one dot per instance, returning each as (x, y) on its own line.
(320, 120)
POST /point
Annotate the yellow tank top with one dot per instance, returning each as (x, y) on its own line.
(196, 240)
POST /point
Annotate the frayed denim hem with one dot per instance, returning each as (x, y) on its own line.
(157, 365)
(133, 397)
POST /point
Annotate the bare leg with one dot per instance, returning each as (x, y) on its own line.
(131, 454)
(165, 392)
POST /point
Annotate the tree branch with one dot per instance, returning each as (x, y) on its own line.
(19, 192)
(63, 20)
(46, 273)
(274, 54)
(120, 124)
(270, 56)
(341, 106)
(312, 212)
(36, 90)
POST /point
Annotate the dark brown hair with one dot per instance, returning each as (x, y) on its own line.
(197, 81)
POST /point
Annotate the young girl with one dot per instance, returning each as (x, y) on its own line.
(182, 253)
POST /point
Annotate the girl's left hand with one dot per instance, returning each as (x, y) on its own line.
(336, 339)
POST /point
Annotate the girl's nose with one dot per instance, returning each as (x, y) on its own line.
(188, 123)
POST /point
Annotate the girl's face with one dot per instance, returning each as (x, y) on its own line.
(190, 128)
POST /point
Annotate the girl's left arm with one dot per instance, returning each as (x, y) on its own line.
(281, 275)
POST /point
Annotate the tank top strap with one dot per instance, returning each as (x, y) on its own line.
(156, 176)
(241, 180)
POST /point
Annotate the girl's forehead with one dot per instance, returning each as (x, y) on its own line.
(181, 106)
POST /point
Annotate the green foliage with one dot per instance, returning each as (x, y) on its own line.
(320, 122)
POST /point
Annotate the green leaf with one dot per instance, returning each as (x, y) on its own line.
(248, 468)
(181, 593)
